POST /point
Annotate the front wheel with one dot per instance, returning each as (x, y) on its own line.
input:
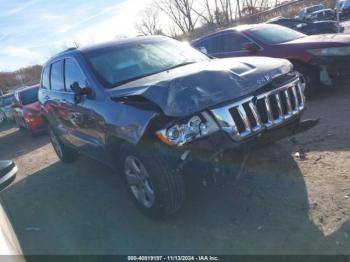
(153, 182)
(308, 79)
(64, 153)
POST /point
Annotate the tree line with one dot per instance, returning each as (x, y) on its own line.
(22, 77)
(186, 15)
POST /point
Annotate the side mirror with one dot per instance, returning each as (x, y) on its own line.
(251, 47)
(15, 106)
(8, 171)
(79, 91)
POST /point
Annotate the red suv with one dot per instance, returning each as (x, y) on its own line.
(27, 110)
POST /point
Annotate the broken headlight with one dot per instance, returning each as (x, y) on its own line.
(186, 131)
(331, 51)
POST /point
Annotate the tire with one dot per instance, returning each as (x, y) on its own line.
(308, 77)
(64, 153)
(152, 180)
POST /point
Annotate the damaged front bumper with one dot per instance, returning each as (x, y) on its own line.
(215, 158)
(221, 142)
(333, 69)
(250, 122)
(270, 115)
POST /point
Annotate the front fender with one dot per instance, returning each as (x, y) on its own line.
(130, 125)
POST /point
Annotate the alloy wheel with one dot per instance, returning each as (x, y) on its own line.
(139, 181)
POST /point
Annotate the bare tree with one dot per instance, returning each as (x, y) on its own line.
(220, 12)
(206, 12)
(238, 8)
(226, 10)
(180, 12)
(149, 23)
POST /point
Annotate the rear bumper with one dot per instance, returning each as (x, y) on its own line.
(35, 124)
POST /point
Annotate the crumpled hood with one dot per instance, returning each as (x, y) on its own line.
(192, 88)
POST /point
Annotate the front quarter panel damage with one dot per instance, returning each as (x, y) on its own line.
(130, 124)
(187, 91)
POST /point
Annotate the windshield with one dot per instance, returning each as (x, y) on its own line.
(6, 100)
(29, 96)
(314, 8)
(120, 64)
(274, 34)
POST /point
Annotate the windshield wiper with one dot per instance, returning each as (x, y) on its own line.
(179, 65)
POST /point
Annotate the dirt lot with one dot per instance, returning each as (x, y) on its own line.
(281, 205)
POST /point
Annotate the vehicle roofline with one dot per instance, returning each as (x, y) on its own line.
(75, 50)
(27, 87)
(238, 28)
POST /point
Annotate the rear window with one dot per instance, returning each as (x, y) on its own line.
(45, 83)
(5, 101)
(29, 96)
(57, 76)
(211, 45)
(315, 8)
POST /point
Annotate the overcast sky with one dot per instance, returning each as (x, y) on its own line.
(33, 30)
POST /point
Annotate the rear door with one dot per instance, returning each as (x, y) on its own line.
(53, 98)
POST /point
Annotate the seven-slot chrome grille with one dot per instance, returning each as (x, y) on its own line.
(256, 113)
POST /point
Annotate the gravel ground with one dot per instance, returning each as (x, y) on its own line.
(281, 204)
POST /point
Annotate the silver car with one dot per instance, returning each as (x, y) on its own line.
(6, 111)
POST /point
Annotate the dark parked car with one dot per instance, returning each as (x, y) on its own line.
(305, 13)
(316, 58)
(26, 109)
(322, 15)
(152, 106)
(308, 28)
(6, 112)
(343, 7)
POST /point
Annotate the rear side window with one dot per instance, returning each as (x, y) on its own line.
(45, 82)
(232, 42)
(212, 45)
(73, 73)
(57, 76)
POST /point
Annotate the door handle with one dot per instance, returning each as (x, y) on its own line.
(46, 97)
